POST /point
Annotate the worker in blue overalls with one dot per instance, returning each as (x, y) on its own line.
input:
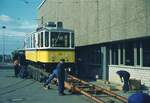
(61, 76)
(23, 73)
(50, 78)
(139, 98)
(59, 73)
(125, 75)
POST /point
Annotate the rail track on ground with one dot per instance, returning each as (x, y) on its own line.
(75, 85)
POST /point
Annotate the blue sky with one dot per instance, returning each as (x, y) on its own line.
(19, 18)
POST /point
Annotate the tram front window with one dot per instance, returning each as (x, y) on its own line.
(60, 39)
(46, 39)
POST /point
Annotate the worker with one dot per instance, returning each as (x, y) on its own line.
(16, 65)
(61, 77)
(124, 76)
(23, 73)
(139, 98)
(51, 77)
(78, 68)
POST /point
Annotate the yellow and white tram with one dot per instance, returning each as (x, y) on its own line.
(49, 44)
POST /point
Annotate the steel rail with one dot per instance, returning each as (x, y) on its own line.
(77, 85)
(108, 92)
(76, 89)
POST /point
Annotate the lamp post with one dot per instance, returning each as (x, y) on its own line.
(3, 27)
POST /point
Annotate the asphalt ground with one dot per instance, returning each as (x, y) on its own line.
(17, 90)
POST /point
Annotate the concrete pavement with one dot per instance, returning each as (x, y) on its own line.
(17, 90)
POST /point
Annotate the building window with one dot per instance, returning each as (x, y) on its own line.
(146, 53)
(114, 55)
(129, 54)
(121, 55)
(138, 53)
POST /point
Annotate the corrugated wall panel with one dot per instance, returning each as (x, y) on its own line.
(98, 21)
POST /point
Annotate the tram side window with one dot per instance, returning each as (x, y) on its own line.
(28, 42)
(41, 39)
(33, 40)
(46, 39)
(72, 40)
(59, 39)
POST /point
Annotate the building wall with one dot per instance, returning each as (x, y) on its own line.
(105, 21)
(98, 21)
(138, 73)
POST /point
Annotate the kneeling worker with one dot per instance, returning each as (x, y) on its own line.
(50, 78)
(59, 73)
(125, 75)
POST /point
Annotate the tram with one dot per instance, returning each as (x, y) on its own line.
(50, 43)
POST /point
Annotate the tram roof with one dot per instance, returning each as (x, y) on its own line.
(57, 29)
(52, 30)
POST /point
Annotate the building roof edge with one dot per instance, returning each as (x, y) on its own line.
(41, 4)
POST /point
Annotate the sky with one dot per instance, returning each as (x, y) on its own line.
(20, 18)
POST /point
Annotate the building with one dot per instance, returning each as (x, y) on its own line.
(109, 35)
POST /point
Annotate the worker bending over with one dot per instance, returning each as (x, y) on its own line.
(124, 76)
